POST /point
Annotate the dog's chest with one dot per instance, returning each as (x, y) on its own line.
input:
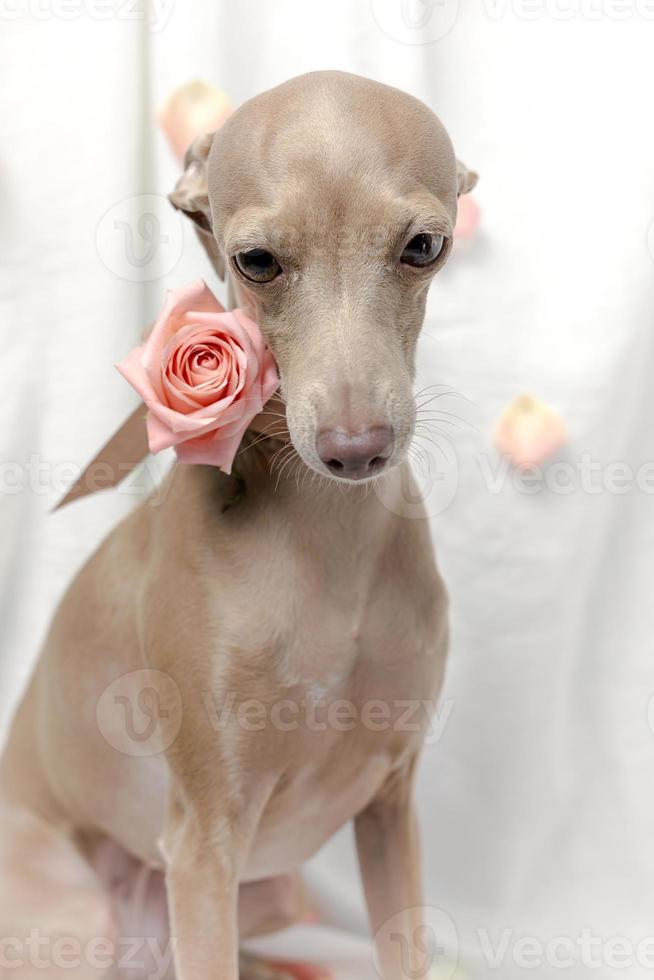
(322, 647)
(334, 688)
(331, 747)
(317, 610)
(325, 646)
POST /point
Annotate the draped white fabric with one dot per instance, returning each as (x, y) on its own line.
(537, 799)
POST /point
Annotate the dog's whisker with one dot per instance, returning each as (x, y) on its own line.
(440, 411)
(442, 394)
(425, 407)
(426, 421)
(432, 397)
(280, 457)
(416, 453)
(270, 434)
(274, 422)
(262, 438)
(432, 387)
(275, 456)
(434, 426)
(445, 388)
(434, 431)
(280, 464)
(431, 427)
(304, 477)
(419, 458)
(289, 460)
(295, 473)
(433, 443)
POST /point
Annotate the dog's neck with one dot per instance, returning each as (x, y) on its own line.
(268, 469)
(268, 477)
(271, 467)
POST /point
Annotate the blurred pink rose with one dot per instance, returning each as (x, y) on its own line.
(467, 218)
(204, 374)
(192, 110)
(529, 432)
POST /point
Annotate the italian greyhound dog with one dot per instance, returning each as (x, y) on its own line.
(239, 608)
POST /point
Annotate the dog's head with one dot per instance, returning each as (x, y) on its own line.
(331, 202)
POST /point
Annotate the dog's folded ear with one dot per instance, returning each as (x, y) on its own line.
(191, 196)
(465, 179)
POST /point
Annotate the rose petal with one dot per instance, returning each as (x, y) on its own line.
(216, 450)
(193, 301)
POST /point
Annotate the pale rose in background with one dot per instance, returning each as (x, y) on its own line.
(204, 374)
(529, 431)
(467, 218)
(192, 110)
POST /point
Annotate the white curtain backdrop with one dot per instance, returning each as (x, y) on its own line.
(537, 799)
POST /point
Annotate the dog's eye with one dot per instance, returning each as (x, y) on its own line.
(258, 265)
(422, 250)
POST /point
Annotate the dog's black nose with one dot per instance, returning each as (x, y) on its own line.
(355, 455)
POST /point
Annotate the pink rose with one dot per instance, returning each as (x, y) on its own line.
(529, 432)
(204, 374)
(467, 218)
(193, 110)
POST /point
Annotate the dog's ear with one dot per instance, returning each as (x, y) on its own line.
(465, 179)
(191, 196)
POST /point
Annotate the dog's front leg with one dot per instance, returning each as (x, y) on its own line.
(202, 885)
(389, 857)
(205, 857)
(216, 796)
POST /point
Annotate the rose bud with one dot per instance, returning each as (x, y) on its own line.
(529, 431)
(192, 110)
(467, 218)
